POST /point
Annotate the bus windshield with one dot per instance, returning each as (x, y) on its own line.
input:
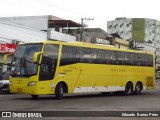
(22, 65)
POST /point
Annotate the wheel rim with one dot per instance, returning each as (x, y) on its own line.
(128, 89)
(61, 91)
(138, 88)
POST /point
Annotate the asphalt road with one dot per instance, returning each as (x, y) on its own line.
(147, 101)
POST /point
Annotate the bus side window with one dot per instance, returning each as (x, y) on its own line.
(128, 58)
(114, 59)
(143, 61)
(86, 56)
(149, 60)
(118, 57)
(108, 57)
(134, 58)
(140, 60)
(70, 55)
(75, 55)
(94, 56)
(101, 57)
(64, 56)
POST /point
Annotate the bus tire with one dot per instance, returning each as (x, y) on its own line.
(59, 91)
(128, 89)
(35, 97)
(138, 88)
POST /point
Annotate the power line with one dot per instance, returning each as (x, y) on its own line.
(60, 7)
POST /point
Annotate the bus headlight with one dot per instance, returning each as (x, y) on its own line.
(31, 83)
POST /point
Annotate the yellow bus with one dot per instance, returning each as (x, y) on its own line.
(55, 67)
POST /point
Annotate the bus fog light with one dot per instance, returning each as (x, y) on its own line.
(31, 83)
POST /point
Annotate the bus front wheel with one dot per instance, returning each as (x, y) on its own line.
(128, 89)
(59, 91)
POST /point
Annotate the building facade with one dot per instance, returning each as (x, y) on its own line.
(136, 29)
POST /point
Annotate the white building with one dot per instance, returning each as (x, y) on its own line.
(138, 29)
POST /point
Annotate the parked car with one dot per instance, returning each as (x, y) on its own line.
(4, 82)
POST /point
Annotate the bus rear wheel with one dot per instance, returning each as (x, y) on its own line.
(59, 91)
(138, 88)
(128, 89)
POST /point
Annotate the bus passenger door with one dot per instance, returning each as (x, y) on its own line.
(48, 69)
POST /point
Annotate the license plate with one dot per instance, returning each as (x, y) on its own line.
(19, 90)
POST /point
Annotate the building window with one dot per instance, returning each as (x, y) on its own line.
(121, 25)
(115, 25)
(110, 27)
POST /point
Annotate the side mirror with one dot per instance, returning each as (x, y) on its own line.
(5, 58)
(36, 56)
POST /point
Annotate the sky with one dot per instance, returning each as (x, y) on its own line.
(101, 10)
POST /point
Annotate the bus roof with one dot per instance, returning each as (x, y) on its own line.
(93, 45)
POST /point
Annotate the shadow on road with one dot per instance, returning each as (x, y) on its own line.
(76, 96)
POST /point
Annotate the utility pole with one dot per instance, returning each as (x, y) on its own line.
(81, 33)
(48, 31)
(82, 22)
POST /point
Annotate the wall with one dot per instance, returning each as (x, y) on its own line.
(122, 44)
(36, 22)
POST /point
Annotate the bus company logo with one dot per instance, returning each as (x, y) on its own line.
(6, 114)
